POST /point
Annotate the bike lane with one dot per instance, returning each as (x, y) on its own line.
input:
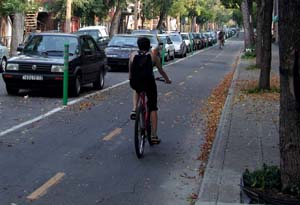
(90, 144)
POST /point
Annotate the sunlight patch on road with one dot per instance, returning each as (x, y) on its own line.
(112, 134)
(45, 187)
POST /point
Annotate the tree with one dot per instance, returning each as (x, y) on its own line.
(264, 41)
(289, 128)
(16, 8)
(246, 8)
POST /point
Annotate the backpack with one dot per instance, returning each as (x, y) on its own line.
(141, 71)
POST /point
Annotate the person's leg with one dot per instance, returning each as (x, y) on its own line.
(134, 103)
(153, 117)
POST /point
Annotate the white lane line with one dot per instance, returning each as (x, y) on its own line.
(55, 110)
(44, 188)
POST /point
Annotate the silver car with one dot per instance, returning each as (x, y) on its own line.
(179, 44)
(169, 46)
(3, 56)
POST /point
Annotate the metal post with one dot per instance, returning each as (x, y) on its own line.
(163, 54)
(66, 74)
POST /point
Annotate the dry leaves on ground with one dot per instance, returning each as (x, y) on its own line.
(213, 110)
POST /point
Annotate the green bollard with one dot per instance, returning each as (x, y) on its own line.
(66, 74)
(163, 55)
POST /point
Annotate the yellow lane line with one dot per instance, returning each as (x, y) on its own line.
(44, 188)
(168, 93)
(182, 83)
(112, 134)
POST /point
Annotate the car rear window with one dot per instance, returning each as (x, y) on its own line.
(121, 41)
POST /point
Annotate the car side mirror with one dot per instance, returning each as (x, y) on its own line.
(161, 43)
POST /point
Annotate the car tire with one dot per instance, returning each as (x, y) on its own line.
(99, 83)
(12, 91)
(76, 86)
(3, 64)
(168, 56)
(173, 56)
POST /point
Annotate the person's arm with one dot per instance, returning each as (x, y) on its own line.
(130, 64)
(157, 63)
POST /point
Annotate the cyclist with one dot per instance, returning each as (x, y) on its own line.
(221, 37)
(148, 83)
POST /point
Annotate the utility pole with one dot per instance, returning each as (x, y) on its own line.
(68, 16)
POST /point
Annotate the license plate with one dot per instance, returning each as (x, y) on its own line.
(32, 77)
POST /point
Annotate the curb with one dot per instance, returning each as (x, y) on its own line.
(212, 174)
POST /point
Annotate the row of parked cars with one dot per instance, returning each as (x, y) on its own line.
(175, 44)
(40, 63)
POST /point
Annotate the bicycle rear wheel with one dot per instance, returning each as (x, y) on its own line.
(139, 132)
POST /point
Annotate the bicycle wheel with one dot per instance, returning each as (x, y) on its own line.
(139, 132)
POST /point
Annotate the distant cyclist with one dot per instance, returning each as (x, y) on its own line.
(221, 37)
(141, 76)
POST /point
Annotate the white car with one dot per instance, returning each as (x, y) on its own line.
(187, 40)
(169, 46)
(3, 56)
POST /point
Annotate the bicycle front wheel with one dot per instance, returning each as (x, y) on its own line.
(139, 132)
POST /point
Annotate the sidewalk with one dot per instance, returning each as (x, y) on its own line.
(247, 137)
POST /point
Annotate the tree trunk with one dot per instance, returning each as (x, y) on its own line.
(17, 32)
(289, 129)
(116, 20)
(248, 25)
(265, 43)
(161, 18)
(259, 36)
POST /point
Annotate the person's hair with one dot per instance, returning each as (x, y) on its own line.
(143, 44)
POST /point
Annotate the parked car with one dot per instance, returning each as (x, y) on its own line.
(41, 64)
(119, 49)
(179, 44)
(141, 31)
(99, 33)
(187, 40)
(156, 46)
(169, 46)
(197, 41)
(4, 54)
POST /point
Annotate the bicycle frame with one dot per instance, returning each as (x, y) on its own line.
(143, 103)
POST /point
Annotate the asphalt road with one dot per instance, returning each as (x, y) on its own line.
(84, 154)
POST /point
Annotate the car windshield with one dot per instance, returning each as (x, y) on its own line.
(175, 38)
(50, 45)
(94, 33)
(163, 39)
(123, 41)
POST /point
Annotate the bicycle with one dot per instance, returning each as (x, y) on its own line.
(142, 128)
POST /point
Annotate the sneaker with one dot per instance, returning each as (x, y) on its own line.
(155, 140)
(133, 115)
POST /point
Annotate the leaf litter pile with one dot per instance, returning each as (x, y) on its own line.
(212, 110)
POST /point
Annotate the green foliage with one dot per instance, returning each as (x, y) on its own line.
(9, 7)
(232, 4)
(266, 178)
(293, 189)
(249, 54)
